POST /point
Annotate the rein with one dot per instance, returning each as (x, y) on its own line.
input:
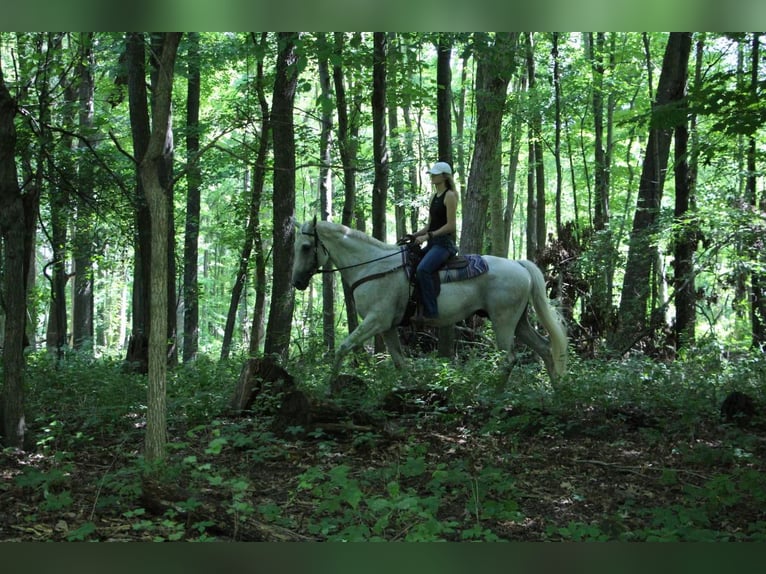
(318, 242)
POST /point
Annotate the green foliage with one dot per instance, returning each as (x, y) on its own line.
(369, 507)
(464, 467)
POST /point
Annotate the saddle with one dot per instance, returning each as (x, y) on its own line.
(456, 268)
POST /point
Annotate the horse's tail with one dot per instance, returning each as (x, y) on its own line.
(549, 317)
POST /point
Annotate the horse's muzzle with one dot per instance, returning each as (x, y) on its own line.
(300, 284)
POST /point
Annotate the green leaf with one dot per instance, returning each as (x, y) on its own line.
(82, 532)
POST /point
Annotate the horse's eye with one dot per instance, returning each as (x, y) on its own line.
(305, 248)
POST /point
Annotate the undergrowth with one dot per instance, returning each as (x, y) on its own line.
(631, 450)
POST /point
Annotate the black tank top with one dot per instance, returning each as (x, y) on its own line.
(438, 212)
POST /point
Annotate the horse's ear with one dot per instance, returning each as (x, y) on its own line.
(315, 222)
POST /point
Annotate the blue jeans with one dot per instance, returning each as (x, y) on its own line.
(435, 256)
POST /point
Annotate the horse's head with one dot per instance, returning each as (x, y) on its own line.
(308, 254)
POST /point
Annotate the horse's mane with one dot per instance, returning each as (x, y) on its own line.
(355, 234)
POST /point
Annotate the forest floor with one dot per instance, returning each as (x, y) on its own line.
(417, 464)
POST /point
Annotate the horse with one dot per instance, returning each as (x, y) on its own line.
(381, 289)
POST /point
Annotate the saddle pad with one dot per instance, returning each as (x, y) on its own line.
(476, 266)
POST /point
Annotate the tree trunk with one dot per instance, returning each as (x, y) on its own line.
(494, 68)
(460, 120)
(412, 179)
(325, 187)
(59, 177)
(637, 283)
(536, 131)
(557, 128)
(283, 297)
(379, 142)
(601, 169)
(446, 335)
(347, 146)
(399, 173)
(444, 97)
(758, 279)
(379, 147)
(532, 246)
(509, 211)
(151, 171)
(600, 303)
(685, 244)
(259, 177)
(194, 182)
(14, 292)
(83, 301)
(166, 181)
(46, 175)
(138, 349)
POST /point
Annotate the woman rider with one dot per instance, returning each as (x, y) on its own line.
(440, 233)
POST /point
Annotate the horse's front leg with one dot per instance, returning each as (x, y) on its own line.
(369, 327)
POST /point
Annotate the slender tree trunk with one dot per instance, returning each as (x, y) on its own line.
(460, 120)
(685, 242)
(533, 242)
(398, 175)
(379, 142)
(601, 168)
(347, 145)
(166, 180)
(194, 183)
(379, 145)
(446, 336)
(741, 294)
(600, 303)
(610, 106)
(155, 185)
(532, 246)
(444, 97)
(283, 297)
(60, 178)
(48, 176)
(83, 302)
(325, 186)
(758, 279)
(138, 348)
(643, 242)
(539, 164)
(557, 125)
(14, 292)
(412, 178)
(259, 177)
(509, 249)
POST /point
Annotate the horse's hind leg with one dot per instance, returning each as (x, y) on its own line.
(391, 338)
(536, 342)
(505, 329)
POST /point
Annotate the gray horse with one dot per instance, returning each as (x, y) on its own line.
(381, 291)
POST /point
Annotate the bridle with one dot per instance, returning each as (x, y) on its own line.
(318, 243)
